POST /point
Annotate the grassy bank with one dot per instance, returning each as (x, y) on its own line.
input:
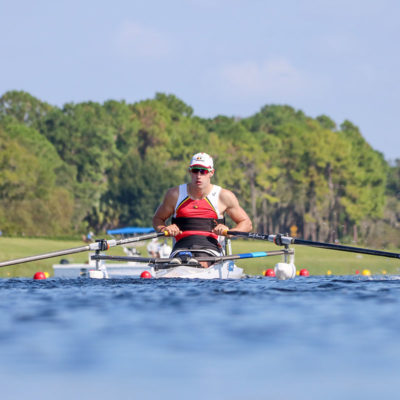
(317, 261)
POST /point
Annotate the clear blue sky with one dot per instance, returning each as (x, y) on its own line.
(339, 57)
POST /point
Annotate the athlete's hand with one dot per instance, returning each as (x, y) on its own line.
(220, 229)
(172, 230)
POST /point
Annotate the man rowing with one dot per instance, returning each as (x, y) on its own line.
(197, 210)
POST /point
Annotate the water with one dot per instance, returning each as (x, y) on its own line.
(257, 338)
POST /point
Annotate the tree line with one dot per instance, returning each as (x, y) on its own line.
(97, 166)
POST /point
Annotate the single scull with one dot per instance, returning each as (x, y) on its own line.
(184, 265)
(222, 267)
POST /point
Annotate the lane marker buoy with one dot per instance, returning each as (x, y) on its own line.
(39, 275)
(269, 272)
(146, 275)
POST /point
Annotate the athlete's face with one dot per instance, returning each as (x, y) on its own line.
(200, 177)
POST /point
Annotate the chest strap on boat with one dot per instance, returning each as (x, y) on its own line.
(197, 224)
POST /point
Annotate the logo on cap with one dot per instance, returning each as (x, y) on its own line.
(202, 160)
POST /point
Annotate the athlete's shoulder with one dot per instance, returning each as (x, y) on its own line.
(227, 193)
(172, 193)
(227, 196)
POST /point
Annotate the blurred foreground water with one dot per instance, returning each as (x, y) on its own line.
(257, 338)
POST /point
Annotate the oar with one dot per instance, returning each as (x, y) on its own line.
(209, 258)
(286, 240)
(100, 245)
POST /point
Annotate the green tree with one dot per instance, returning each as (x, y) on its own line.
(85, 139)
(31, 202)
(23, 107)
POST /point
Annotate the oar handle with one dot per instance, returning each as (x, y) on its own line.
(278, 239)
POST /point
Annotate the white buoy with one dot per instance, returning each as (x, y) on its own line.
(96, 274)
(100, 272)
(285, 271)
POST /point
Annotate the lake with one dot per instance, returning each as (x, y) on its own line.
(319, 337)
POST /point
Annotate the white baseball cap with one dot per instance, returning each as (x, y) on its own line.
(202, 160)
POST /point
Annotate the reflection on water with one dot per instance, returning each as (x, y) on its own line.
(307, 338)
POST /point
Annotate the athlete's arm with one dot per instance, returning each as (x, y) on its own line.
(166, 210)
(231, 206)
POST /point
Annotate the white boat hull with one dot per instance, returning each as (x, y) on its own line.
(222, 270)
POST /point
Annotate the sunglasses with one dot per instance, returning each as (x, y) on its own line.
(199, 170)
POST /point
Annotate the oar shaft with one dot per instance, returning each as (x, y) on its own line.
(100, 245)
(243, 256)
(130, 258)
(287, 240)
(331, 246)
(44, 256)
(138, 238)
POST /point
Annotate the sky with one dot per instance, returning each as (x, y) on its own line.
(340, 58)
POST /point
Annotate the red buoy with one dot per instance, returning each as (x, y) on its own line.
(304, 272)
(269, 272)
(39, 275)
(146, 275)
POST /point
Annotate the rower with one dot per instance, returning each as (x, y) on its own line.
(197, 209)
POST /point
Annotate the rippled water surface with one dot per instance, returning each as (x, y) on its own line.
(257, 338)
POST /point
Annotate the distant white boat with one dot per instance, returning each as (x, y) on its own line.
(113, 270)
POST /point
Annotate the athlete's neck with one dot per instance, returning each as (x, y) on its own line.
(197, 193)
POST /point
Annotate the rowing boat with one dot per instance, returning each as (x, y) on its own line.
(181, 265)
(131, 269)
(222, 267)
(184, 265)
